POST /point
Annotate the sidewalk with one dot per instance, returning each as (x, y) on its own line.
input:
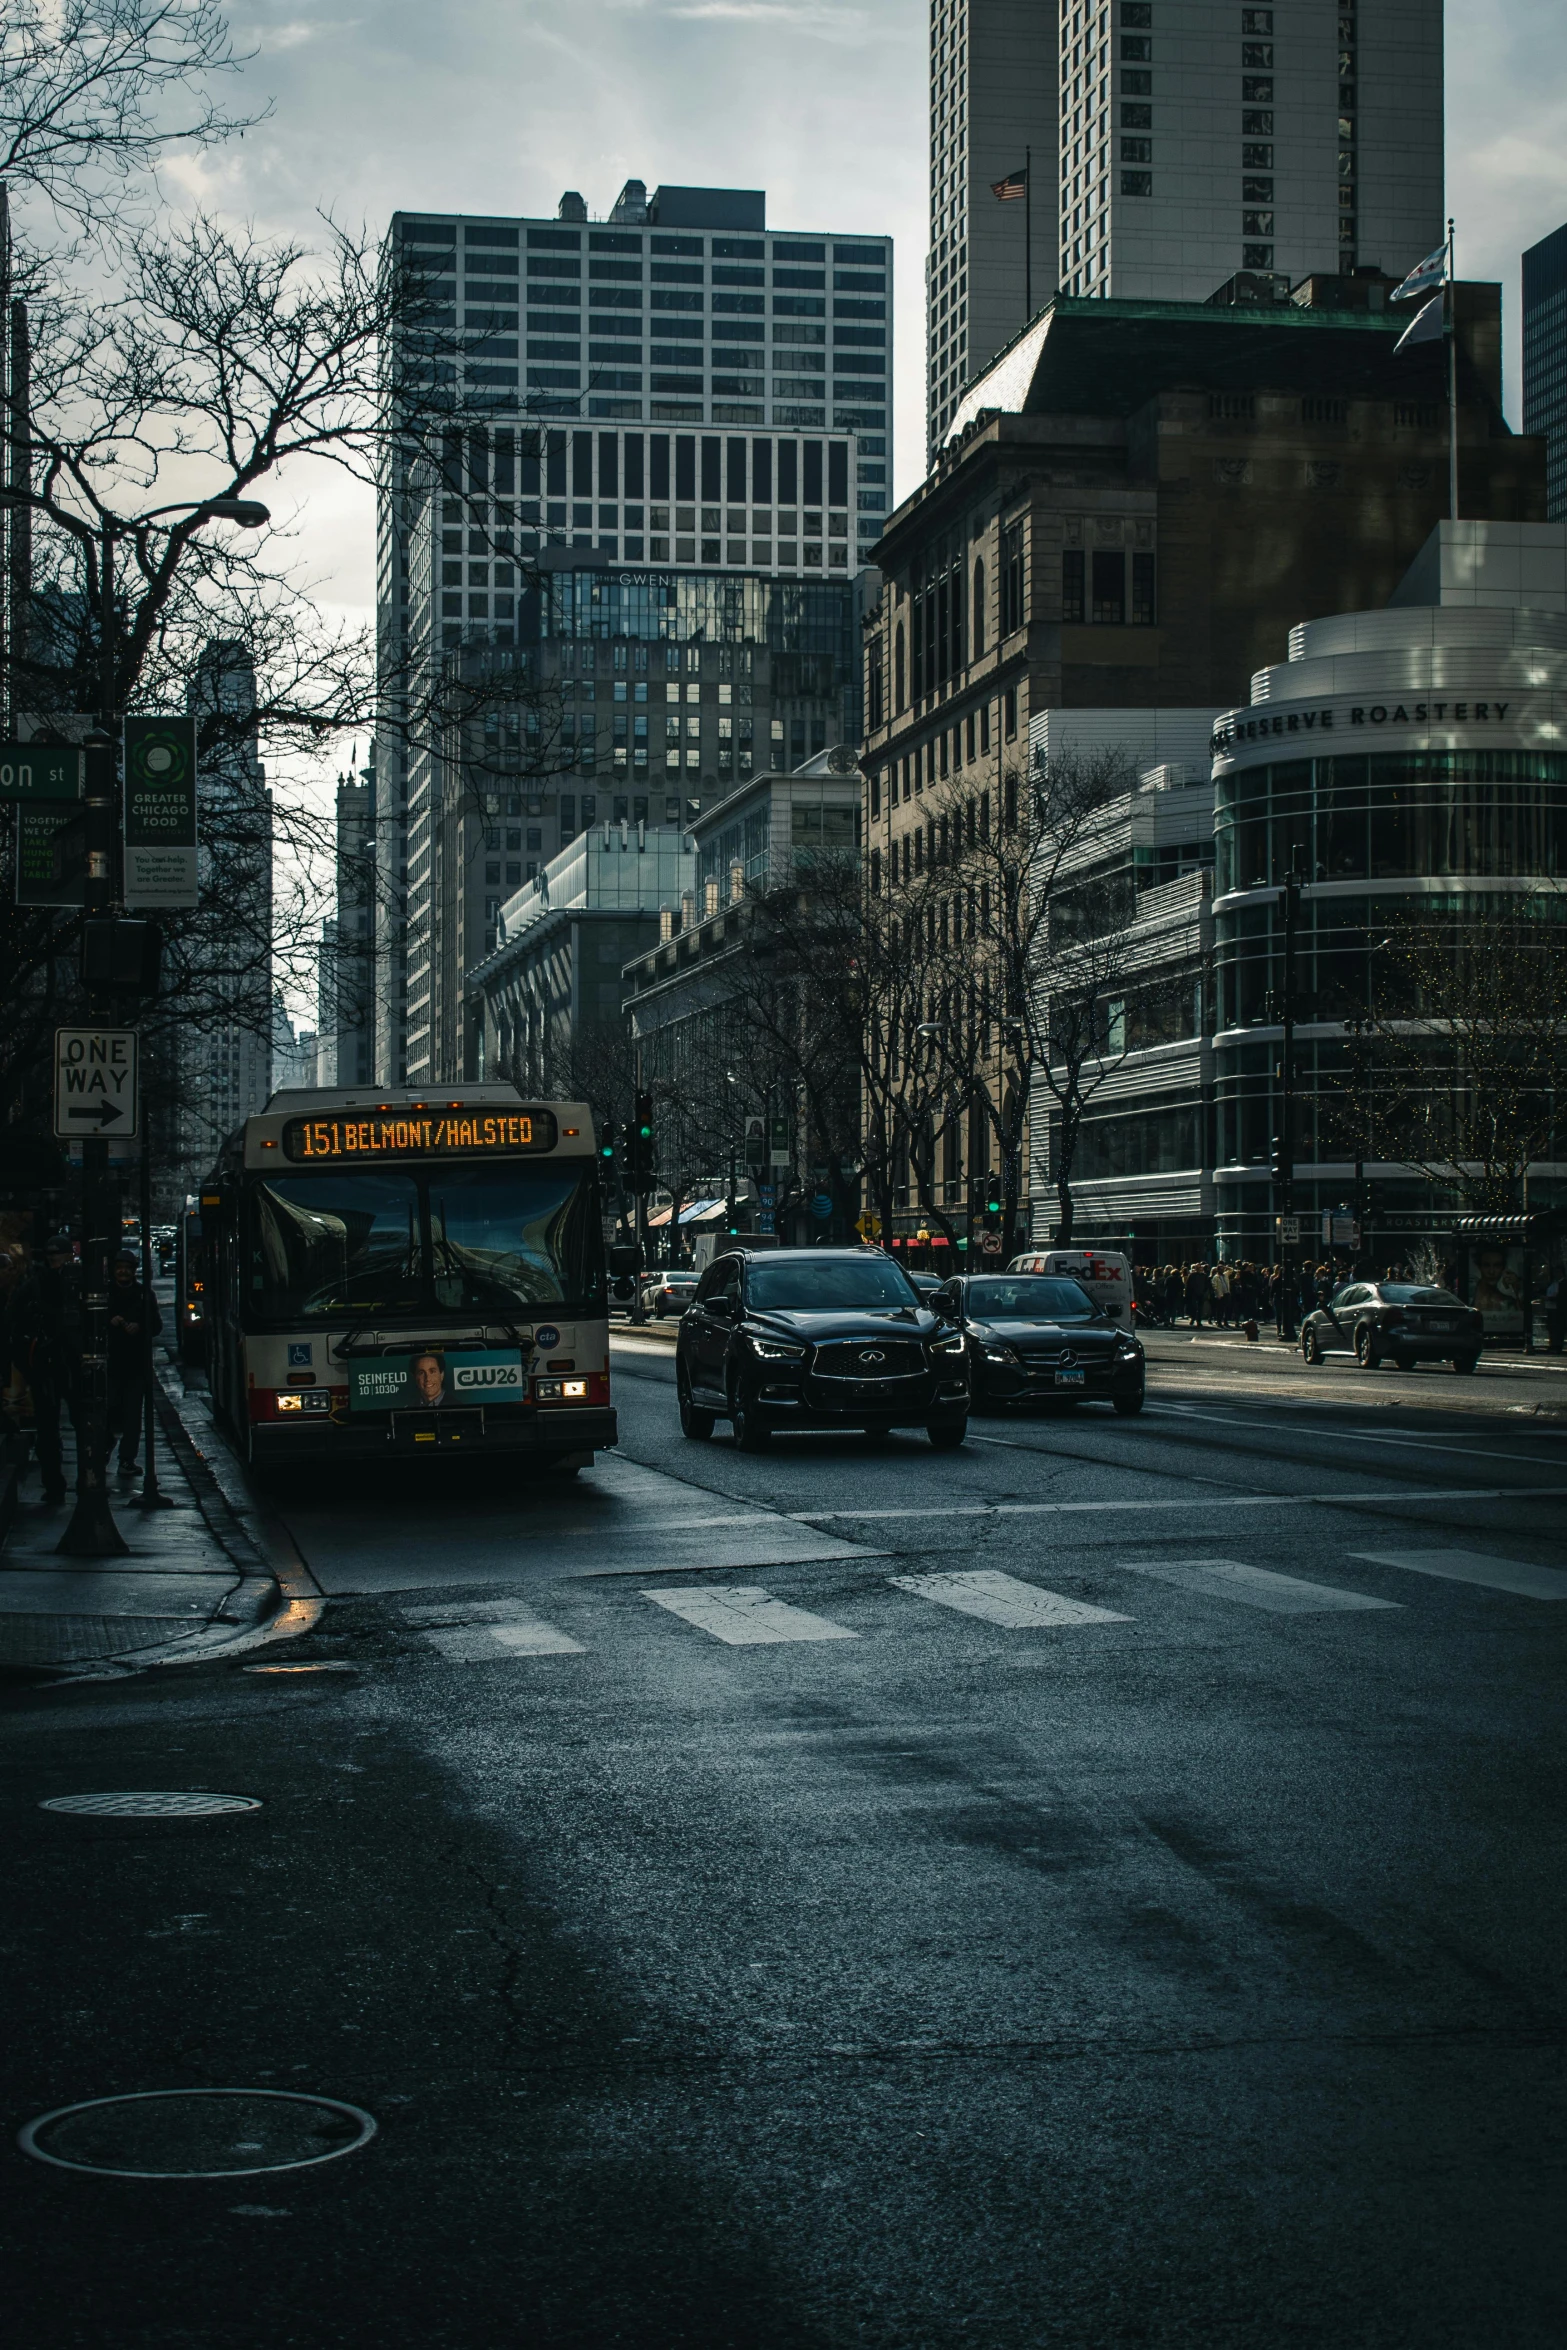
(194, 1584)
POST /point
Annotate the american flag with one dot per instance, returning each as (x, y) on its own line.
(1012, 189)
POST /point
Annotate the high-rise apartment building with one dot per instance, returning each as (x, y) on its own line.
(668, 456)
(1175, 145)
(1545, 360)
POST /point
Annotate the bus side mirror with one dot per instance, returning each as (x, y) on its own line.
(213, 1203)
(625, 1257)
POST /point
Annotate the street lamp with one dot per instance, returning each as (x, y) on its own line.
(92, 1532)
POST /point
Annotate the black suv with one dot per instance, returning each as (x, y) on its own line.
(817, 1338)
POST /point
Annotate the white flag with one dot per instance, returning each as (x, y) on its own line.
(1427, 326)
(1430, 272)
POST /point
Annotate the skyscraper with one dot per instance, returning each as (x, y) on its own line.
(669, 430)
(1175, 145)
(1545, 360)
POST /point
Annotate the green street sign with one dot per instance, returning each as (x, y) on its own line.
(160, 811)
(41, 771)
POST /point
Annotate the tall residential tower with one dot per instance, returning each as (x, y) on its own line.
(1176, 144)
(618, 578)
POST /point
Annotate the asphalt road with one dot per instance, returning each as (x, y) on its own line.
(1102, 1887)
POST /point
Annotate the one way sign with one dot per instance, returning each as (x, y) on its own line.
(94, 1082)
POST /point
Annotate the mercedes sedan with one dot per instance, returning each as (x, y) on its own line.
(1402, 1322)
(817, 1338)
(1036, 1339)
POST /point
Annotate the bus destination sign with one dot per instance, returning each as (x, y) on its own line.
(417, 1134)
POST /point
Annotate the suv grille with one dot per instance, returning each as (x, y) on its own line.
(868, 1358)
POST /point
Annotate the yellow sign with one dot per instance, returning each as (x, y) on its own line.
(869, 1227)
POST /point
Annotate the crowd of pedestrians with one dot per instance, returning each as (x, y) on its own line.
(1226, 1296)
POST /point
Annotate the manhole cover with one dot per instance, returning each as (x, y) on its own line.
(152, 1803)
(197, 2133)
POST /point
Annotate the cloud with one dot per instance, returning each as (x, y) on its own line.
(830, 23)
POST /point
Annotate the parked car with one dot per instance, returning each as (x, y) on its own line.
(1034, 1338)
(925, 1285)
(817, 1338)
(1402, 1322)
(670, 1294)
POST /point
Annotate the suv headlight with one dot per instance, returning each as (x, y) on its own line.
(775, 1350)
(950, 1342)
(1000, 1354)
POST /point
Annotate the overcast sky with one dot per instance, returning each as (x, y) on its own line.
(497, 105)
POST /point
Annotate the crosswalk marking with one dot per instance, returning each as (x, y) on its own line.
(745, 1617)
(489, 1631)
(1474, 1566)
(1004, 1600)
(1279, 1595)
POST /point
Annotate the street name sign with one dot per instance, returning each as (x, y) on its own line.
(41, 771)
(160, 812)
(95, 1083)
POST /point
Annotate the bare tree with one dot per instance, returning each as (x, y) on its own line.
(1023, 942)
(94, 92)
(1457, 1068)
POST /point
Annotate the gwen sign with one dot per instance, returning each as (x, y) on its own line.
(435, 1378)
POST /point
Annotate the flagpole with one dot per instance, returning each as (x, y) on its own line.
(1452, 384)
(1028, 234)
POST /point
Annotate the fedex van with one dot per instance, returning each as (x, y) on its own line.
(1106, 1277)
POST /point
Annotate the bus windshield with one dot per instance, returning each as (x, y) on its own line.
(497, 1241)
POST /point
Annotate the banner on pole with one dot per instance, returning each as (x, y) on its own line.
(160, 812)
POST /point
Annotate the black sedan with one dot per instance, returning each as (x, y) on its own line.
(1033, 1338)
(1402, 1322)
(817, 1338)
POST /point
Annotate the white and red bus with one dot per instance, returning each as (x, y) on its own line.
(406, 1273)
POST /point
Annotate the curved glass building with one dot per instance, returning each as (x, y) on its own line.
(1406, 762)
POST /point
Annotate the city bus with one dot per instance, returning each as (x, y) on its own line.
(399, 1274)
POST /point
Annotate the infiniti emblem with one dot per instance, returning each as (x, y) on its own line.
(873, 1354)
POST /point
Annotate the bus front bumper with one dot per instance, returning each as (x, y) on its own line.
(546, 1435)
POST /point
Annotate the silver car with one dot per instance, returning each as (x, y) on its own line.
(1402, 1322)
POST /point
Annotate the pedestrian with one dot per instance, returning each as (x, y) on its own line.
(1196, 1294)
(46, 1347)
(132, 1311)
(1555, 1316)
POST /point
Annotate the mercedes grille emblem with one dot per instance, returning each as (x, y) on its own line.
(873, 1354)
(1067, 1356)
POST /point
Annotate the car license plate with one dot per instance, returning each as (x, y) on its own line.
(1441, 1325)
(1071, 1378)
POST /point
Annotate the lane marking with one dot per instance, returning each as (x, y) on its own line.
(1278, 1595)
(1475, 1452)
(489, 1631)
(1474, 1566)
(1204, 1501)
(1005, 1600)
(744, 1617)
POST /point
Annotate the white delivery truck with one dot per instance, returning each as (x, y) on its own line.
(1106, 1277)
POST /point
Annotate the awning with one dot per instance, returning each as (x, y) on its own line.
(700, 1211)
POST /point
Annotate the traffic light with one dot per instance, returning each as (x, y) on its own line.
(1279, 1160)
(607, 1146)
(640, 1141)
(993, 1202)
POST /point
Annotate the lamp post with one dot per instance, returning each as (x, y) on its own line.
(92, 1532)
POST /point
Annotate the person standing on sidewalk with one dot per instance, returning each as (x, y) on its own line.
(132, 1309)
(1196, 1295)
(46, 1343)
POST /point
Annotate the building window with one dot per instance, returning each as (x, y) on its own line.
(1137, 183)
(1009, 713)
(979, 607)
(1143, 612)
(1109, 576)
(897, 668)
(1012, 579)
(1072, 584)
